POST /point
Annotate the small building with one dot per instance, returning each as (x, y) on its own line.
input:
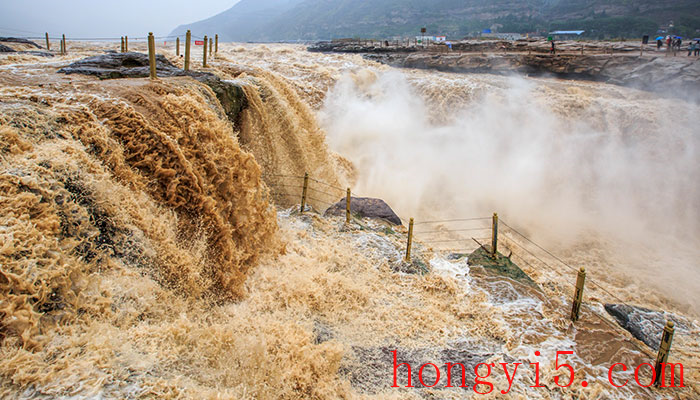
(566, 35)
(430, 39)
(502, 36)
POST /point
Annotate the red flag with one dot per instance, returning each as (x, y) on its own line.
(199, 42)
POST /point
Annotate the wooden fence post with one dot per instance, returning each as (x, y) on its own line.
(48, 43)
(578, 294)
(347, 207)
(216, 44)
(662, 357)
(126, 44)
(494, 236)
(152, 54)
(188, 39)
(303, 193)
(204, 60)
(65, 47)
(410, 241)
(177, 47)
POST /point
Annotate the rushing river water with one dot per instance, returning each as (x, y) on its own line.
(582, 166)
(166, 274)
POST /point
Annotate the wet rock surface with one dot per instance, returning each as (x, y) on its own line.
(415, 267)
(645, 324)
(366, 47)
(20, 41)
(7, 47)
(500, 265)
(366, 207)
(322, 333)
(122, 65)
(371, 369)
(524, 45)
(230, 95)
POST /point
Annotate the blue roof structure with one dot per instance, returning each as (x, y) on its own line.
(566, 32)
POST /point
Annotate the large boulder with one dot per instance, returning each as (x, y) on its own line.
(366, 207)
(8, 49)
(121, 65)
(645, 324)
(500, 265)
(20, 41)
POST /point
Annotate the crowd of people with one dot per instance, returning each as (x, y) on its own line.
(675, 43)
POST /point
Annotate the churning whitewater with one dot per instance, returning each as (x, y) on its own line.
(152, 244)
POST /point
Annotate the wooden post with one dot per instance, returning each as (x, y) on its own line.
(65, 48)
(582, 45)
(122, 48)
(48, 44)
(211, 47)
(347, 207)
(662, 357)
(126, 44)
(578, 294)
(60, 46)
(641, 50)
(204, 60)
(494, 236)
(303, 193)
(177, 47)
(216, 44)
(410, 241)
(188, 39)
(152, 54)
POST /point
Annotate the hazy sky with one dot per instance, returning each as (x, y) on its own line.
(100, 18)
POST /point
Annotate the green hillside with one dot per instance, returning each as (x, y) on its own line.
(273, 20)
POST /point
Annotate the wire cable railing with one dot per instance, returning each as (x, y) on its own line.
(512, 239)
(634, 342)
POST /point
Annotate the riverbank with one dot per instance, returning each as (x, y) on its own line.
(618, 63)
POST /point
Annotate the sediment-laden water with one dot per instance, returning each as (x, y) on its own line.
(146, 251)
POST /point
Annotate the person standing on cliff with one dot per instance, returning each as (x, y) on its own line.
(697, 48)
(553, 50)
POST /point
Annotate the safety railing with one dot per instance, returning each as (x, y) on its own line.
(465, 235)
(210, 45)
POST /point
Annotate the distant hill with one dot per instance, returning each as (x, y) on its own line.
(282, 20)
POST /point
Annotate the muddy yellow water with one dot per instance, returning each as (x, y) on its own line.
(148, 249)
